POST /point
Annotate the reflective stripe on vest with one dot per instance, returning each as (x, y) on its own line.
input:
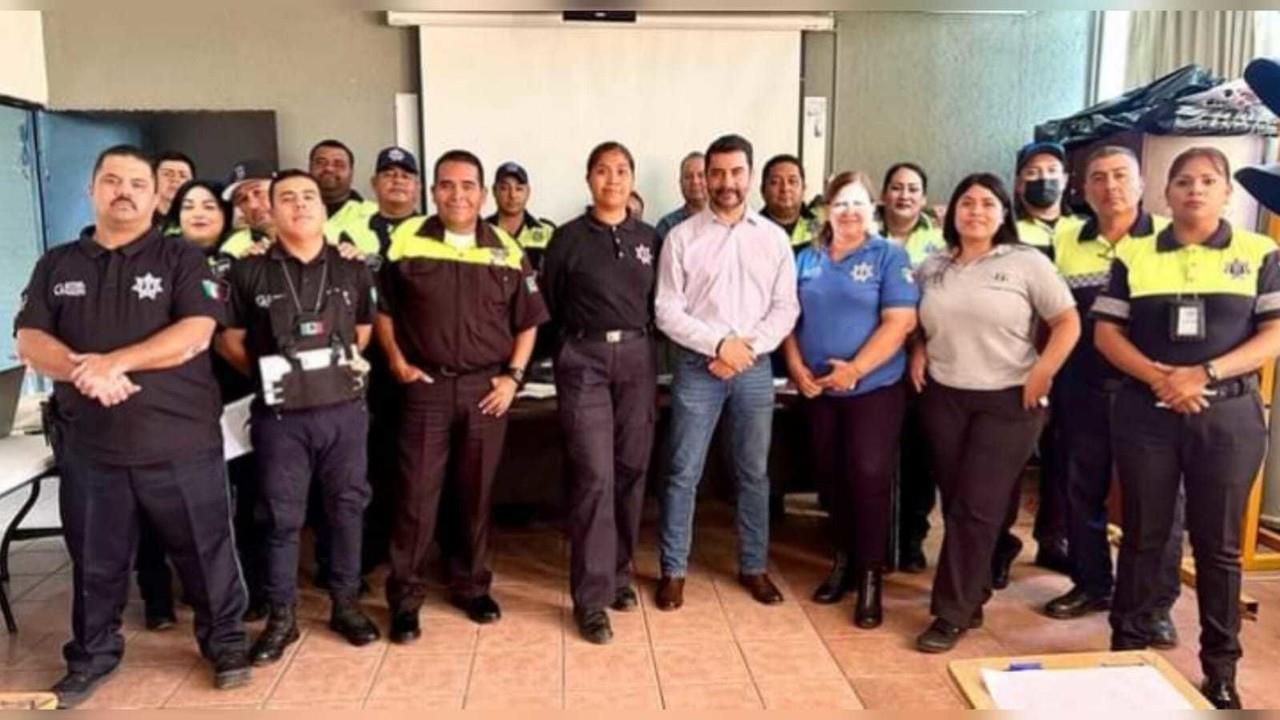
(352, 215)
(1195, 269)
(1039, 233)
(1087, 263)
(535, 237)
(407, 244)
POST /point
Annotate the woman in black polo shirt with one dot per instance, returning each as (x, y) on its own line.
(598, 279)
(1189, 315)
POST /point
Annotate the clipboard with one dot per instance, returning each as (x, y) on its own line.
(967, 674)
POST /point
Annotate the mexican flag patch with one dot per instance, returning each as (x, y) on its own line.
(214, 290)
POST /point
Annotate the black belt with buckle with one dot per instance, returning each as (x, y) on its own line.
(609, 336)
(440, 371)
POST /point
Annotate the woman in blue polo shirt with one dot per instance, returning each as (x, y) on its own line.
(857, 306)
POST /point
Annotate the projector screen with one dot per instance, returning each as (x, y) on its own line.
(544, 96)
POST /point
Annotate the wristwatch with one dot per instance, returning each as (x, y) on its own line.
(517, 374)
(1211, 371)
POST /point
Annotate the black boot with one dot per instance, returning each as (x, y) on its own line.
(832, 590)
(868, 614)
(281, 632)
(1007, 550)
(1221, 693)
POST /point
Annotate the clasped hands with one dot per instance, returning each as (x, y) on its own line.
(101, 377)
(1181, 388)
(844, 377)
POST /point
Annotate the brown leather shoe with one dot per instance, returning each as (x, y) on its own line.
(670, 593)
(761, 588)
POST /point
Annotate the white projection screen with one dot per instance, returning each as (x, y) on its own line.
(544, 96)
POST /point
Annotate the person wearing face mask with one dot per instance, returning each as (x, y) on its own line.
(984, 386)
(693, 188)
(333, 164)
(1189, 316)
(1086, 392)
(300, 313)
(857, 306)
(511, 194)
(782, 187)
(458, 317)
(1039, 189)
(599, 277)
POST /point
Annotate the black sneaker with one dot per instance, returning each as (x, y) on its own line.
(75, 687)
(625, 600)
(232, 670)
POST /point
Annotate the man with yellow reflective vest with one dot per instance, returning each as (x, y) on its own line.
(396, 188)
(782, 186)
(333, 164)
(1040, 179)
(248, 192)
(511, 195)
(1086, 387)
(1039, 188)
(457, 318)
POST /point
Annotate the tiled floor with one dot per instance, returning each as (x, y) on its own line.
(720, 651)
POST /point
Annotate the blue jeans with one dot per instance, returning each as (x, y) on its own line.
(697, 398)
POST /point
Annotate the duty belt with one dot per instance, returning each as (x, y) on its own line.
(612, 337)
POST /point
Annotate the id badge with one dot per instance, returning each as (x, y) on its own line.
(1187, 320)
(309, 325)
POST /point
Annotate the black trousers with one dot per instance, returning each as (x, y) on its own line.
(1084, 415)
(187, 504)
(1051, 523)
(980, 442)
(853, 446)
(606, 395)
(447, 447)
(917, 491)
(293, 450)
(1215, 456)
(155, 579)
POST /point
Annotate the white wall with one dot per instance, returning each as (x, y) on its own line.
(22, 64)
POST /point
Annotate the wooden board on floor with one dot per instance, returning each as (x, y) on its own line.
(967, 674)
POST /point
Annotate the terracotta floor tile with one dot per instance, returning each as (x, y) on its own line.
(197, 690)
(326, 679)
(316, 704)
(721, 696)
(32, 651)
(413, 675)
(790, 658)
(29, 680)
(642, 698)
(907, 692)
(776, 622)
(792, 693)
(608, 667)
(320, 641)
(42, 562)
(516, 598)
(137, 687)
(524, 671)
(522, 630)
(514, 701)
(717, 662)
(703, 624)
(629, 628)
(421, 703)
(177, 644)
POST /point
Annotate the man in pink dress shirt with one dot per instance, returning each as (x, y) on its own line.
(726, 298)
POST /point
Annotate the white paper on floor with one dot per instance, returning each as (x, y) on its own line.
(1140, 687)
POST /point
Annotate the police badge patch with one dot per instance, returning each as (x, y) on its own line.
(1237, 269)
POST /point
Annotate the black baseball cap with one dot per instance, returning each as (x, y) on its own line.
(245, 170)
(1032, 149)
(395, 156)
(512, 170)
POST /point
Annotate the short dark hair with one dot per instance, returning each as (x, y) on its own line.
(726, 144)
(462, 156)
(1006, 233)
(332, 143)
(129, 151)
(215, 188)
(1108, 151)
(609, 146)
(289, 174)
(777, 160)
(1212, 154)
(175, 156)
(893, 170)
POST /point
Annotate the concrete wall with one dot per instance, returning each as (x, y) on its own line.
(955, 92)
(325, 72)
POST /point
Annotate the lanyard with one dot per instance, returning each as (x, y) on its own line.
(293, 292)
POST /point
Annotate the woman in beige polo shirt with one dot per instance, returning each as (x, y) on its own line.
(984, 385)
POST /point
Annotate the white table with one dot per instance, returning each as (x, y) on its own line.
(25, 461)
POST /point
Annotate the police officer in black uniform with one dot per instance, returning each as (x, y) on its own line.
(1189, 316)
(299, 313)
(599, 276)
(121, 320)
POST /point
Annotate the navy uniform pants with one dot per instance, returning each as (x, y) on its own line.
(187, 504)
(1215, 456)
